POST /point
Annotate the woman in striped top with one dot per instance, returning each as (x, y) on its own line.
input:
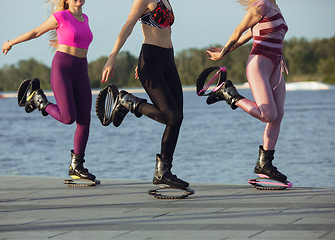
(264, 23)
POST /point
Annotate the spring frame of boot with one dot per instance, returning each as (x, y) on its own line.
(263, 183)
(104, 104)
(221, 75)
(158, 194)
(81, 182)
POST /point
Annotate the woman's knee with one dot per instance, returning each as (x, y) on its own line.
(269, 117)
(177, 120)
(174, 118)
(69, 119)
(84, 120)
(272, 116)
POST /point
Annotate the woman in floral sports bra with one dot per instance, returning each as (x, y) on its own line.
(160, 79)
(264, 23)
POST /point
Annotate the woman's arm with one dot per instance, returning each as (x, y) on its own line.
(242, 40)
(49, 24)
(137, 10)
(251, 18)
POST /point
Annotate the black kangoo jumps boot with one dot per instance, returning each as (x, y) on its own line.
(124, 103)
(37, 100)
(226, 92)
(264, 165)
(77, 170)
(163, 174)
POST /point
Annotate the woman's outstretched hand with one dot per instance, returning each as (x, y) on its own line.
(108, 69)
(214, 53)
(6, 47)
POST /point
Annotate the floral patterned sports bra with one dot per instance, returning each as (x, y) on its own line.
(160, 17)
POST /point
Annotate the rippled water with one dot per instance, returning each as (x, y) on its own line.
(216, 144)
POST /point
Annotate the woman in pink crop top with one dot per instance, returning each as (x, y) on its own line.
(159, 76)
(264, 23)
(69, 76)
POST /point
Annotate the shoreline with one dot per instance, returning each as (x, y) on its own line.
(294, 86)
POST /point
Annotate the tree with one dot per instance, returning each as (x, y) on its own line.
(306, 60)
(124, 73)
(11, 76)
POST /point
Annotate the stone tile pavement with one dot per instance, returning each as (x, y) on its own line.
(45, 208)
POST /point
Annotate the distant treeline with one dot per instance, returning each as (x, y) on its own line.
(306, 60)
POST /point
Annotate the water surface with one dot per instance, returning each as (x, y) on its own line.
(216, 144)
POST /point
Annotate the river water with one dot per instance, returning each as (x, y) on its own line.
(216, 144)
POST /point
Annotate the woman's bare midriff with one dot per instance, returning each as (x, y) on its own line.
(157, 36)
(77, 52)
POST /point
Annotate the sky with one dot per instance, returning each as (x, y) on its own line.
(198, 24)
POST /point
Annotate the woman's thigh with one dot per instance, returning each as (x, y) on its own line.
(259, 72)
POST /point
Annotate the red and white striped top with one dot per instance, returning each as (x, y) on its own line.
(269, 33)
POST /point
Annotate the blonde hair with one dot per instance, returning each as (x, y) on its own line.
(246, 3)
(56, 6)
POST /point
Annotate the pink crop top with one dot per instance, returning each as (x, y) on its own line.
(72, 32)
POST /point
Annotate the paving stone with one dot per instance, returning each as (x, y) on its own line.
(41, 208)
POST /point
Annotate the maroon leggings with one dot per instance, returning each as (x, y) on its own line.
(71, 87)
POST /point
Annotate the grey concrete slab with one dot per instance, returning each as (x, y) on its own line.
(42, 208)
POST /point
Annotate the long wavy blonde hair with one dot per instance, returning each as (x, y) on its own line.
(246, 3)
(56, 6)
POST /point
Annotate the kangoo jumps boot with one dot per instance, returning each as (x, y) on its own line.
(264, 165)
(226, 92)
(124, 103)
(163, 174)
(37, 100)
(77, 170)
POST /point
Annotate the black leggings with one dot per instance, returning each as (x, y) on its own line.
(160, 79)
